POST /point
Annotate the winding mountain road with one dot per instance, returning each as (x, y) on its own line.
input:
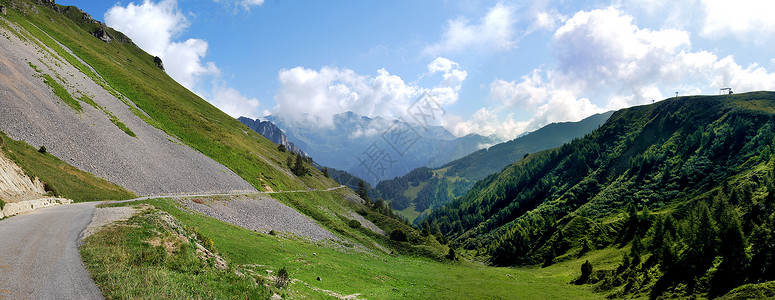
(39, 257)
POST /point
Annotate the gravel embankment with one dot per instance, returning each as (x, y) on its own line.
(261, 213)
(107, 215)
(153, 163)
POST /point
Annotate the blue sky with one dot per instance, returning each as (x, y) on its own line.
(496, 67)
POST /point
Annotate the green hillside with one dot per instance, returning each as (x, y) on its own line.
(683, 187)
(425, 188)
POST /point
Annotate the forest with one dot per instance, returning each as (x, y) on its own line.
(687, 184)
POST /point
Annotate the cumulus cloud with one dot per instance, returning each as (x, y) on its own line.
(487, 123)
(155, 27)
(495, 31)
(233, 103)
(316, 96)
(602, 53)
(747, 19)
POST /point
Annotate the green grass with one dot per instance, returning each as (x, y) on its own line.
(376, 275)
(409, 213)
(61, 178)
(126, 266)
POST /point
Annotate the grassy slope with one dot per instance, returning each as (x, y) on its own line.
(126, 266)
(378, 275)
(63, 179)
(128, 70)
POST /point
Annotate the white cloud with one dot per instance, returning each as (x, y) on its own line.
(233, 103)
(546, 20)
(746, 19)
(485, 122)
(495, 31)
(308, 95)
(155, 27)
(602, 53)
(244, 4)
(316, 96)
(441, 64)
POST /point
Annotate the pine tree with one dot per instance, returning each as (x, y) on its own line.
(734, 265)
(702, 242)
(362, 192)
(298, 168)
(325, 172)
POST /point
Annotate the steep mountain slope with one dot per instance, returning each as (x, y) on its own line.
(376, 149)
(271, 132)
(424, 188)
(58, 178)
(699, 169)
(107, 108)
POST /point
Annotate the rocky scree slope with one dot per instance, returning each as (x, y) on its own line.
(141, 158)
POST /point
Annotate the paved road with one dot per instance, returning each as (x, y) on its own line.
(39, 256)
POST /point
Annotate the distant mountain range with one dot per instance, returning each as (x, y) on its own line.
(424, 188)
(377, 149)
(272, 133)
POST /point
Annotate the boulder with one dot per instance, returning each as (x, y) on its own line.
(158, 62)
(102, 34)
(2, 9)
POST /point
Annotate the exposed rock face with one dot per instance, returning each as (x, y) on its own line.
(15, 185)
(272, 133)
(158, 62)
(102, 34)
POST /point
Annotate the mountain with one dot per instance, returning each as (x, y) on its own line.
(424, 188)
(375, 148)
(271, 132)
(687, 184)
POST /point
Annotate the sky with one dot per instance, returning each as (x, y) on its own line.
(495, 68)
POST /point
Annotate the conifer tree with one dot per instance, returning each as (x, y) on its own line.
(362, 192)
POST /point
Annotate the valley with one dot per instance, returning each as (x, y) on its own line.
(673, 199)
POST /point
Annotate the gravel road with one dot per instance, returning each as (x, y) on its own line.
(262, 213)
(39, 256)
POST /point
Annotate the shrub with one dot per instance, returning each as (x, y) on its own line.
(281, 148)
(354, 224)
(586, 271)
(451, 255)
(398, 235)
(282, 278)
(272, 232)
(42, 150)
(2, 204)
